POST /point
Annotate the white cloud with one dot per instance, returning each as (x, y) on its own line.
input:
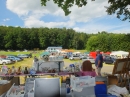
(31, 12)
(30, 7)
(33, 9)
(7, 19)
(32, 22)
(91, 10)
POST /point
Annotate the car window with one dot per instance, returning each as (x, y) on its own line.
(108, 58)
(75, 56)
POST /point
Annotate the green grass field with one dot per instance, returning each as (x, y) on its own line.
(25, 62)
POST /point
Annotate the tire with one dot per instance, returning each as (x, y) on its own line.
(4, 63)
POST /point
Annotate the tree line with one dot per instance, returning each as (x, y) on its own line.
(17, 38)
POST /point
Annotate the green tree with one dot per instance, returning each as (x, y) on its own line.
(92, 43)
(118, 7)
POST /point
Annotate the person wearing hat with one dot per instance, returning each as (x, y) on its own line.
(98, 62)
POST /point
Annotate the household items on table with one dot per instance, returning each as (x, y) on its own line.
(16, 91)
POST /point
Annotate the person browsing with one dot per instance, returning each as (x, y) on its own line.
(98, 62)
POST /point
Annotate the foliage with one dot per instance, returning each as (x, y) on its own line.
(16, 38)
(120, 7)
(108, 42)
(66, 4)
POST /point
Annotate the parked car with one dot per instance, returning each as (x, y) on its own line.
(30, 55)
(74, 57)
(16, 59)
(24, 55)
(83, 56)
(91, 59)
(109, 60)
(4, 61)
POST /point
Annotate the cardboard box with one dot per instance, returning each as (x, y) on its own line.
(112, 80)
(4, 88)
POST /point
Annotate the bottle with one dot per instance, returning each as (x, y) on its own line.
(68, 88)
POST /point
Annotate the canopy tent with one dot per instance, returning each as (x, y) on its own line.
(67, 50)
(44, 53)
(86, 52)
(120, 54)
(76, 52)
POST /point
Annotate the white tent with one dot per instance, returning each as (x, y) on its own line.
(120, 54)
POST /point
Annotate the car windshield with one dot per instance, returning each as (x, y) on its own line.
(84, 57)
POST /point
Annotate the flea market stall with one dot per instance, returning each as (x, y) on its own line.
(51, 79)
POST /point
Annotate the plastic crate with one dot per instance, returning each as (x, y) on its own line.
(100, 89)
(89, 91)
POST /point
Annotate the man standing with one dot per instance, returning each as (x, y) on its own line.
(35, 62)
(98, 62)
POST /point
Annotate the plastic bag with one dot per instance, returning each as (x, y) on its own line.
(118, 91)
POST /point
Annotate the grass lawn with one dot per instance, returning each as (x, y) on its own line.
(28, 61)
(25, 62)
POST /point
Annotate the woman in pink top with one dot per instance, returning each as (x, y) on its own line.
(87, 69)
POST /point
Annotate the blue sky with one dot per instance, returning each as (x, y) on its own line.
(89, 19)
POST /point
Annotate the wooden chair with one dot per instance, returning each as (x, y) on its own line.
(118, 76)
(87, 66)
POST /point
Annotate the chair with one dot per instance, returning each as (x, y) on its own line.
(87, 66)
(87, 69)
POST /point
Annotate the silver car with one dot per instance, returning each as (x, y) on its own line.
(91, 59)
(74, 57)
